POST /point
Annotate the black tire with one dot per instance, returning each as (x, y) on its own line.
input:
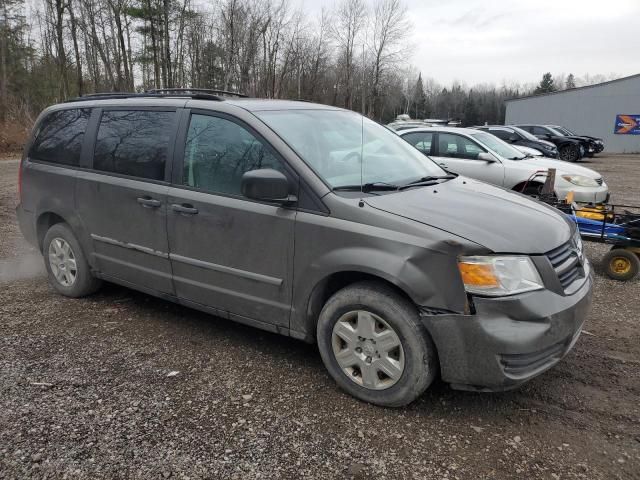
(570, 153)
(84, 282)
(621, 264)
(419, 352)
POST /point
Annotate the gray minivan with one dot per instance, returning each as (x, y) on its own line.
(310, 221)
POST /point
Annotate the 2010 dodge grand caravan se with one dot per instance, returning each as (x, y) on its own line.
(310, 221)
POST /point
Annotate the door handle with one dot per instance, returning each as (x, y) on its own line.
(185, 208)
(148, 202)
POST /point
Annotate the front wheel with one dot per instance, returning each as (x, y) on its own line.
(570, 153)
(621, 264)
(374, 346)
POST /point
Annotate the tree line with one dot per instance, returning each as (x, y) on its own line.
(353, 55)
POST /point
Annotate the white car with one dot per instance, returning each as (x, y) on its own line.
(480, 155)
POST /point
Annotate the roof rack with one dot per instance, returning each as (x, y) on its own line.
(209, 91)
(194, 93)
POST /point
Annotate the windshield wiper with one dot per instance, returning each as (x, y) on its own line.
(367, 187)
(426, 181)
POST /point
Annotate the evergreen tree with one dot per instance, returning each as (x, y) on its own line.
(571, 82)
(470, 114)
(546, 84)
(419, 99)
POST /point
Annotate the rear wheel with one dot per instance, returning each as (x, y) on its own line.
(67, 267)
(570, 153)
(374, 346)
(621, 264)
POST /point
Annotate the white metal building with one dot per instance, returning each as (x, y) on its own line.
(609, 110)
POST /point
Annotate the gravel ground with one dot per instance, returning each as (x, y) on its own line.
(123, 385)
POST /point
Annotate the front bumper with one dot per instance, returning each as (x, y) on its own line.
(508, 340)
(598, 194)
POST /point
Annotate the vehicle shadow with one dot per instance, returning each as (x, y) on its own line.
(291, 359)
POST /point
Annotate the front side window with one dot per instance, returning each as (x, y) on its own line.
(420, 140)
(346, 149)
(134, 142)
(456, 146)
(59, 137)
(218, 152)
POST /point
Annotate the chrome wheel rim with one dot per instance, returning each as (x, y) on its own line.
(62, 262)
(368, 350)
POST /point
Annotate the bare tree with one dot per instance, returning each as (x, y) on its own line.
(389, 32)
(348, 24)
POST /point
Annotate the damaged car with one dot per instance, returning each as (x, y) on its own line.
(308, 221)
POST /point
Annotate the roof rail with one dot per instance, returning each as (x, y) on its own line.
(149, 94)
(209, 91)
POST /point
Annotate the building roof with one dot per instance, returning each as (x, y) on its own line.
(637, 75)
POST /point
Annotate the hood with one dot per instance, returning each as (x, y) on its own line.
(528, 150)
(500, 220)
(579, 138)
(562, 167)
(547, 143)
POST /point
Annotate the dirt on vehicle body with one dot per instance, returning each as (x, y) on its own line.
(89, 388)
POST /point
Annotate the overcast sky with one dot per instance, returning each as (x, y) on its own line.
(478, 41)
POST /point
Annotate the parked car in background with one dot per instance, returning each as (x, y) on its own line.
(406, 124)
(478, 154)
(595, 144)
(569, 149)
(521, 138)
(309, 221)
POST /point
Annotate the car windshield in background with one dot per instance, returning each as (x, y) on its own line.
(525, 134)
(557, 131)
(500, 147)
(564, 131)
(347, 149)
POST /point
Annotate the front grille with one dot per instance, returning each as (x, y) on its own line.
(527, 363)
(567, 263)
(599, 181)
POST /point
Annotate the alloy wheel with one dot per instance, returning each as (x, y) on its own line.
(62, 262)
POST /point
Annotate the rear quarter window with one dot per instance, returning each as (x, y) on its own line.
(59, 137)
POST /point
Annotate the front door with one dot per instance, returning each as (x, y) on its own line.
(459, 154)
(122, 200)
(228, 252)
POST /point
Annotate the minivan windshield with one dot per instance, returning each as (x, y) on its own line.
(500, 147)
(346, 149)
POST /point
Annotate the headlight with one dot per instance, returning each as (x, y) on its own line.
(577, 241)
(580, 180)
(498, 276)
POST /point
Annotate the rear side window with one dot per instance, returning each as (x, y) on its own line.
(59, 137)
(134, 143)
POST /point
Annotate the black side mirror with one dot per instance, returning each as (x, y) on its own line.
(513, 138)
(267, 185)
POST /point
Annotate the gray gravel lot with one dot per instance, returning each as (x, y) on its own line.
(123, 385)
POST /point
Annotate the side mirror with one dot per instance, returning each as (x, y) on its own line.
(267, 185)
(513, 138)
(487, 157)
